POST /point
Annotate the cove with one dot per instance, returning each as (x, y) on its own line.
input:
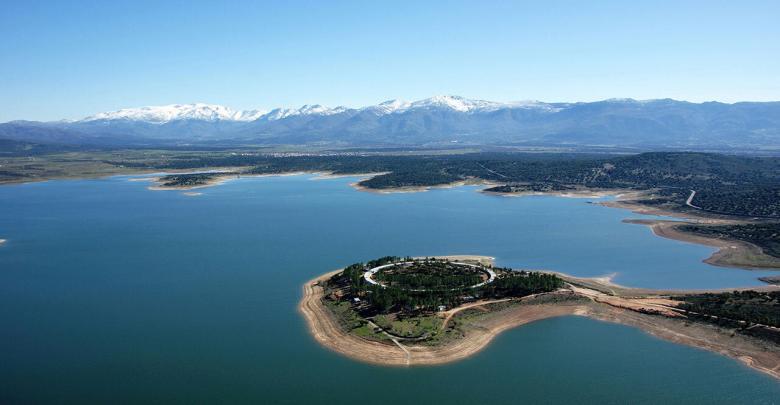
(112, 292)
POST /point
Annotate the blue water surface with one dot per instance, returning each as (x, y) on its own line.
(110, 292)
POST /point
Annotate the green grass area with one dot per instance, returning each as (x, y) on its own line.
(352, 322)
(411, 327)
(367, 332)
(348, 318)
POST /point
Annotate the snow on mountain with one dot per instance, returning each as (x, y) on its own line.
(432, 121)
(307, 109)
(389, 107)
(174, 112)
(248, 115)
(456, 103)
(470, 106)
(211, 112)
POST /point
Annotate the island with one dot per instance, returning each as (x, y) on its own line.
(432, 310)
(189, 181)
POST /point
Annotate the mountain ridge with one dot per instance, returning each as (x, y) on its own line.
(435, 121)
(215, 112)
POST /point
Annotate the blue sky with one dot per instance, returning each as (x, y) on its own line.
(70, 59)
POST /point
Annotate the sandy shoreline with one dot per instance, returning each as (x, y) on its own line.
(422, 189)
(325, 329)
(731, 253)
(220, 179)
(578, 193)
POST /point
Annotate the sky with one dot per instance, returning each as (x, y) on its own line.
(67, 60)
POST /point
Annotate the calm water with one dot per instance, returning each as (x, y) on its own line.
(110, 292)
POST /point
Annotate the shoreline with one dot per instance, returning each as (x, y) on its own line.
(209, 183)
(325, 329)
(578, 193)
(421, 189)
(731, 253)
(220, 179)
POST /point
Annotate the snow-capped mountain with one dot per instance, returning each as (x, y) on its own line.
(212, 112)
(440, 120)
(206, 112)
(456, 103)
(389, 107)
(468, 105)
(176, 112)
(306, 109)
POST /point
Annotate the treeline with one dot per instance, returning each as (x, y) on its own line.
(510, 284)
(751, 307)
(533, 188)
(733, 185)
(352, 275)
(382, 300)
(429, 282)
(430, 274)
(522, 283)
(189, 179)
(753, 201)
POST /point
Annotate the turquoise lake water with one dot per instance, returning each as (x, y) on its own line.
(110, 292)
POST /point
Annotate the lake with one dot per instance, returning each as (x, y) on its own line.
(110, 292)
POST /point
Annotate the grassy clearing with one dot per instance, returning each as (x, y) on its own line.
(344, 313)
(352, 322)
(413, 327)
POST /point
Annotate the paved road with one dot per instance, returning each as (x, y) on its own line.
(370, 273)
(689, 201)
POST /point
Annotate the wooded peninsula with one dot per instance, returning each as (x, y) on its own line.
(426, 311)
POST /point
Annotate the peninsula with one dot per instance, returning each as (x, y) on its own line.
(426, 311)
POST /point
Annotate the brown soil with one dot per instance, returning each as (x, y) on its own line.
(731, 253)
(653, 314)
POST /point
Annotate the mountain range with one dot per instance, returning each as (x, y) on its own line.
(432, 122)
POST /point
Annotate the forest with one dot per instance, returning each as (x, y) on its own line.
(752, 312)
(429, 275)
(376, 299)
(735, 185)
(724, 184)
